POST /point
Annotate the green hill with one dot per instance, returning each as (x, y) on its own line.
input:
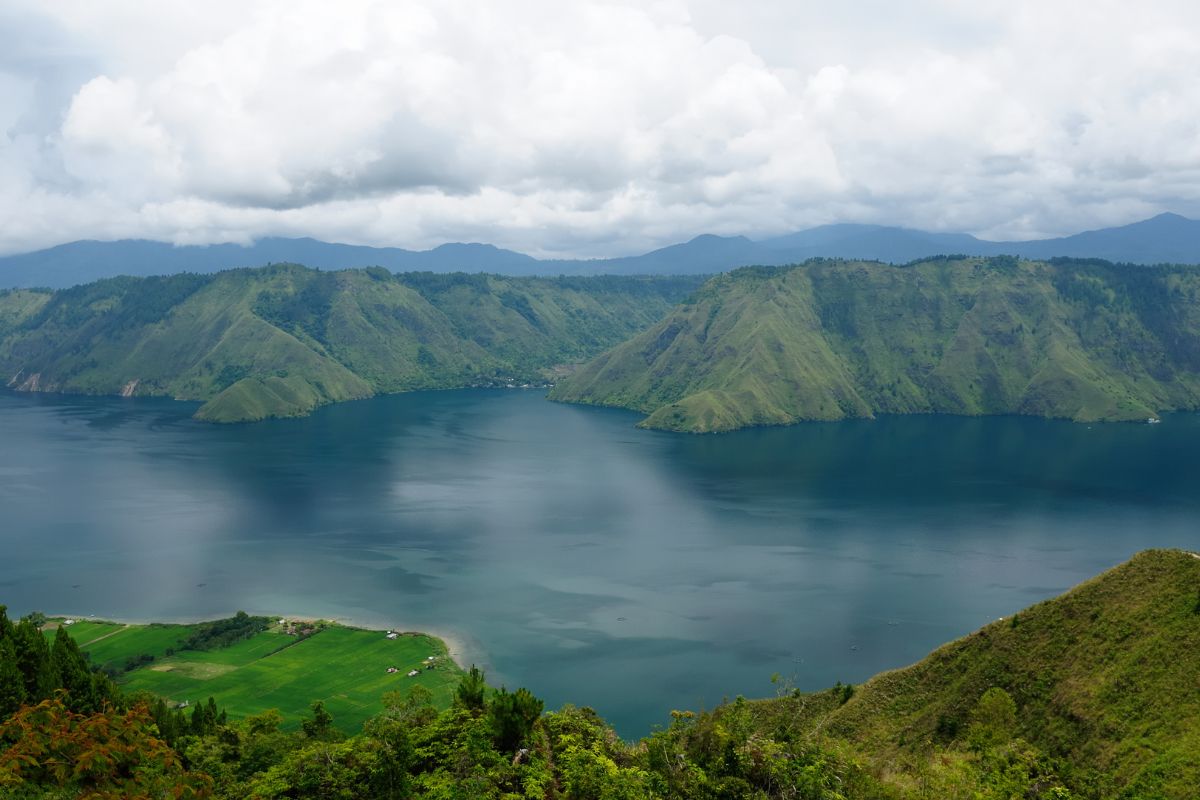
(829, 340)
(283, 340)
(1103, 678)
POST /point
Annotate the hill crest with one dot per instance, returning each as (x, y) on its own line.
(831, 339)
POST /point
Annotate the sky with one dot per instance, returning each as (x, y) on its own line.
(588, 128)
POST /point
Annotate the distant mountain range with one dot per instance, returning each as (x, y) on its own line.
(1166, 238)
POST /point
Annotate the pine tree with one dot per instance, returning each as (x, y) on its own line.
(33, 659)
(210, 714)
(6, 626)
(74, 674)
(12, 683)
(471, 690)
(205, 718)
(512, 716)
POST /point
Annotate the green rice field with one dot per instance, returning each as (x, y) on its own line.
(345, 667)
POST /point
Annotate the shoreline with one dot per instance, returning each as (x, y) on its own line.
(457, 647)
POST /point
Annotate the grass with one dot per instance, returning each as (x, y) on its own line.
(86, 632)
(1104, 677)
(133, 640)
(343, 666)
(282, 340)
(829, 340)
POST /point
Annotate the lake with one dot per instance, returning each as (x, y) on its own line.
(567, 551)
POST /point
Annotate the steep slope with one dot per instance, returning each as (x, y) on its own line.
(532, 322)
(832, 339)
(1104, 678)
(282, 340)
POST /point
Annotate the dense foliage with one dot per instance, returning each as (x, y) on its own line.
(33, 670)
(827, 340)
(282, 340)
(224, 632)
(50, 751)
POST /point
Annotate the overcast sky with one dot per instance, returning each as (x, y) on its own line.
(590, 128)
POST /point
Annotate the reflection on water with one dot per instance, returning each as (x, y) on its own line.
(629, 570)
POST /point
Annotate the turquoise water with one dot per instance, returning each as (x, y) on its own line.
(632, 571)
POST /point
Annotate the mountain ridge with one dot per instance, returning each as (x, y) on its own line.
(283, 340)
(1166, 238)
(834, 339)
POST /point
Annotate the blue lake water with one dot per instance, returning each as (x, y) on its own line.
(633, 571)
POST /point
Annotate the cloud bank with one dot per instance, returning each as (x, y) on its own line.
(589, 128)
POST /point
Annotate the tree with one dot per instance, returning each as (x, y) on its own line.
(6, 626)
(35, 618)
(238, 752)
(205, 717)
(414, 709)
(393, 756)
(327, 770)
(33, 659)
(320, 724)
(104, 756)
(512, 716)
(170, 721)
(74, 674)
(993, 720)
(265, 723)
(12, 683)
(471, 691)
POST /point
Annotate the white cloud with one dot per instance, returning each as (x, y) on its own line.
(590, 128)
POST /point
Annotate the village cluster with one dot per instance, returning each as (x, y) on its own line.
(297, 628)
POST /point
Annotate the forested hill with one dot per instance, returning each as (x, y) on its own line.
(827, 340)
(282, 340)
(1088, 696)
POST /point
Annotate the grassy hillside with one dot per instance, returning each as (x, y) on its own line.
(828, 340)
(346, 668)
(1104, 681)
(283, 340)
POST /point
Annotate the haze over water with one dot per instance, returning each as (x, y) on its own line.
(598, 564)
